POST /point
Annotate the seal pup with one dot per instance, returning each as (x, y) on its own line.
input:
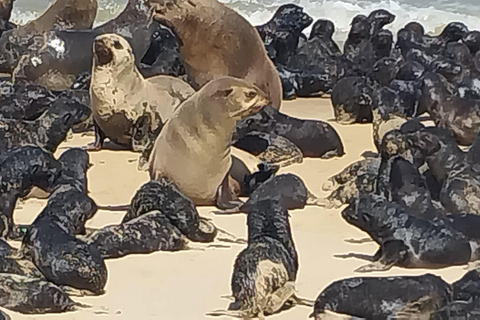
(472, 41)
(214, 47)
(12, 262)
(119, 94)
(64, 259)
(147, 233)
(179, 153)
(322, 34)
(352, 100)
(21, 169)
(6, 7)
(315, 138)
(48, 130)
(63, 14)
(383, 297)
(405, 240)
(264, 273)
(32, 296)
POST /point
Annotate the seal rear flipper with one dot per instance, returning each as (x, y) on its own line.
(99, 139)
(391, 252)
(225, 198)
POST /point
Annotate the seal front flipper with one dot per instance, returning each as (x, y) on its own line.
(226, 198)
(391, 252)
(99, 139)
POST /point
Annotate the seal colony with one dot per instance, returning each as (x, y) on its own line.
(188, 84)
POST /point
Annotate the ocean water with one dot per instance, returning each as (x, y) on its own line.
(433, 14)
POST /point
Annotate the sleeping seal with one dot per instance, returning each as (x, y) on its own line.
(119, 94)
(193, 148)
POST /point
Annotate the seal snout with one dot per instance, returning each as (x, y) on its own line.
(103, 54)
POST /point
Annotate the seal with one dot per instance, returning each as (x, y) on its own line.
(405, 240)
(4, 316)
(147, 233)
(264, 273)
(383, 297)
(315, 138)
(21, 169)
(64, 259)
(205, 121)
(6, 7)
(253, 181)
(12, 262)
(214, 47)
(63, 15)
(32, 296)
(119, 94)
(48, 130)
(24, 101)
(472, 41)
(60, 55)
(352, 100)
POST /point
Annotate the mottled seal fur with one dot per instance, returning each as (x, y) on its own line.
(20, 170)
(384, 297)
(147, 233)
(62, 258)
(164, 196)
(405, 240)
(119, 94)
(32, 296)
(48, 130)
(314, 138)
(214, 47)
(205, 121)
(264, 273)
(352, 100)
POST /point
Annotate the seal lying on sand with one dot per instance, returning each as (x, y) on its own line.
(193, 148)
(214, 47)
(384, 297)
(32, 296)
(405, 240)
(62, 258)
(119, 94)
(63, 14)
(147, 233)
(47, 131)
(264, 274)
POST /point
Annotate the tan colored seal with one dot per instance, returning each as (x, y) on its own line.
(64, 14)
(119, 94)
(193, 148)
(217, 41)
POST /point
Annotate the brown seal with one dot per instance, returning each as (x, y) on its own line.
(193, 148)
(119, 94)
(63, 14)
(217, 41)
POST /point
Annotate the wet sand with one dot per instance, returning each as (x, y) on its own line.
(188, 284)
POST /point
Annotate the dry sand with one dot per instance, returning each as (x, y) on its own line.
(186, 285)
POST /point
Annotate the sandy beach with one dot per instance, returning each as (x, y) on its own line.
(188, 284)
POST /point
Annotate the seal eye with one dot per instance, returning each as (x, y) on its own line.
(224, 93)
(117, 45)
(251, 94)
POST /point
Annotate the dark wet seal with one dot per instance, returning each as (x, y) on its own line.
(48, 130)
(472, 41)
(62, 258)
(147, 233)
(410, 71)
(254, 180)
(313, 137)
(24, 101)
(32, 296)
(306, 82)
(164, 196)
(385, 70)
(399, 297)
(264, 273)
(281, 34)
(21, 169)
(351, 100)
(12, 261)
(405, 240)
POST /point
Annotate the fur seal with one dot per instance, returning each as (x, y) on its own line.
(205, 121)
(264, 273)
(21, 169)
(214, 47)
(147, 233)
(32, 296)
(315, 138)
(55, 58)
(119, 94)
(384, 297)
(63, 15)
(405, 240)
(48, 130)
(62, 258)
(352, 100)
